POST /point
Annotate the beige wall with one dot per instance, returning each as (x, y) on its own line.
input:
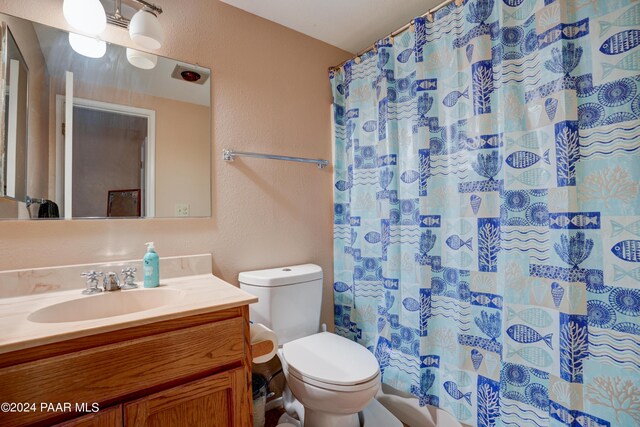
(270, 93)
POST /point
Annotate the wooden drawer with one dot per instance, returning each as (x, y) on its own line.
(111, 372)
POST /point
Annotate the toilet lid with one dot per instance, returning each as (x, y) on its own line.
(331, 359)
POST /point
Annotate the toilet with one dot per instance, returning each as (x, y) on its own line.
(333, 378)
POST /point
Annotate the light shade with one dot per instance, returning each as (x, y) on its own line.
(87, 16)
(145, 30)
(143, 60)
(87, 46)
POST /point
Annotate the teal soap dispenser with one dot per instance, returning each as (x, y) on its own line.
(151, 262)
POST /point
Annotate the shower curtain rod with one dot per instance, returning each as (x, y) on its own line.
(428, 15)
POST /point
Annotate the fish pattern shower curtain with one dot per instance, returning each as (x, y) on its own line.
(487, 220)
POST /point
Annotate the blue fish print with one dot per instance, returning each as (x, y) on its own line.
(617, 228)
(620, 273)
(628, 250)
(430, 220)
(455, 242)
(341, 287)
(369, 126)
(621, 42)
(524, 159)
(629, 18)
(454, 391)
(483, 299)
(372, 237)
(411, 304)
(526, 335)
(431, 360)
(409, 176)
(427, 84)
(453, 97)
(513, 3)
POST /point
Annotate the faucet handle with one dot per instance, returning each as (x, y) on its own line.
(129, 278)
(92, 282)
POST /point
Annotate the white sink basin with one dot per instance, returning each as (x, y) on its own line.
(107, 304)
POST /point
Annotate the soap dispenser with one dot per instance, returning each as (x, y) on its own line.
(151, 262)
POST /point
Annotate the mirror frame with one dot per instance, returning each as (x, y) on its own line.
(4, 116)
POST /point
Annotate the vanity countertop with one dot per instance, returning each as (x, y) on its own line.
(203, 293)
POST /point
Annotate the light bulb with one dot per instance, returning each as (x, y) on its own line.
(87, 46)
(87, 16)
(143, 60)
(145, 30)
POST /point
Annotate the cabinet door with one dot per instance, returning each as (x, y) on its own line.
(110, 417)
(216, 401)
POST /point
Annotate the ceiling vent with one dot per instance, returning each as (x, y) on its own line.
(190, 74)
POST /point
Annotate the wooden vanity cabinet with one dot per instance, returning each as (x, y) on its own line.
(190, 371)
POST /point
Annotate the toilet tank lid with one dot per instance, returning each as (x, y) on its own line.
(281, 276)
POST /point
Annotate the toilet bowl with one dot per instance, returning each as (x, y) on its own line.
(332, 377)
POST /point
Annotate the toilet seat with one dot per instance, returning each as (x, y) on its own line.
(374, 382)
(331, 362)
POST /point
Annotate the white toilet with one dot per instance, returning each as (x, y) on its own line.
(332, 377)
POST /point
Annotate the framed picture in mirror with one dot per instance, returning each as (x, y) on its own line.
(124, 203)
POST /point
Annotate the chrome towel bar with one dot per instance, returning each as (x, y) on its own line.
(229, 155)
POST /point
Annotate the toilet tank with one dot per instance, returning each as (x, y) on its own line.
(289, 299)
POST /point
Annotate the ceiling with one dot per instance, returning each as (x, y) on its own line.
(351, 25)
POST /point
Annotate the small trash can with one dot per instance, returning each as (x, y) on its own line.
(259, 385)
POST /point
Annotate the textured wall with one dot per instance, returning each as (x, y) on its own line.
(270, 93)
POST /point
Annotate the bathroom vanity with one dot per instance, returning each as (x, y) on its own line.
(186, 361)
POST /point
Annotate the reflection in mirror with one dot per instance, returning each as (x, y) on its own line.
(106, 138)
(13, 150)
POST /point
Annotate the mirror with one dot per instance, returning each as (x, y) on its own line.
(13, 150)
(99, 137)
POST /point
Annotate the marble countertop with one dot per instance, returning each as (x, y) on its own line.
(200, 294)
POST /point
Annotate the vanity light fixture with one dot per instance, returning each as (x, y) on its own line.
(143, 60)
(145, 29)
(87, 46)
(87, 16)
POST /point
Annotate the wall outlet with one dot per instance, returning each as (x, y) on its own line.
(182, 209)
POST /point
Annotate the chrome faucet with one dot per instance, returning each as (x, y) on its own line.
(111, 282)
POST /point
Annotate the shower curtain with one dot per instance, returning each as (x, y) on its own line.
(487, 220)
